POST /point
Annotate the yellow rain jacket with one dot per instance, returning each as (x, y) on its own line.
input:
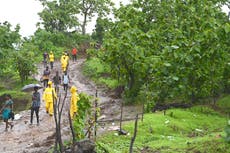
(64, 65)
(51, 56)
(67, 58)
(64, 62)
(63, 58)
(73, 102)
(48, 96)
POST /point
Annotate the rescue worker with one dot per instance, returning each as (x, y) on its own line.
(64, 63)
(49, 96)
(73, 102)
(51, 58)
(67, 59)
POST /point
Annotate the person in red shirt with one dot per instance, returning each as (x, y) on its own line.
(74, 54)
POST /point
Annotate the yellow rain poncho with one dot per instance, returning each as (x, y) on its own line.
(48, 96)
(63, 57)
(67, 57)
(64, 63)
(51, 57)
(73, 102)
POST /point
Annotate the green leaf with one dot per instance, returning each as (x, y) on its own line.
(175, 78)
(227, 27)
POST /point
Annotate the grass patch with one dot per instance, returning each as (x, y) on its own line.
(99, 72)
(190, 130)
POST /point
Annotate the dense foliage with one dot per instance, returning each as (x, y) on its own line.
(170, 49)
(9, 41)
(227, 130)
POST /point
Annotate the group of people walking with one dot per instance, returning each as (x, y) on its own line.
(50, 93)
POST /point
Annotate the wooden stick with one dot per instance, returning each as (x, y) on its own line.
(134, 136)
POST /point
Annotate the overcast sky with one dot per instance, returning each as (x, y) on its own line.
(24, 12)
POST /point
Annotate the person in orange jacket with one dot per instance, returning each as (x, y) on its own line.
(49, 96)
(73, 102)
(74, 54)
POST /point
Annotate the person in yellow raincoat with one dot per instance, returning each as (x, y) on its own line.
(49, 96)
(64, 63)
(62, 57)
(73, 102)
(67, 59)
(51, 57)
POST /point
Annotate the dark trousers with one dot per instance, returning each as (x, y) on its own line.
(74, 57)
(45, 82)
(51, 65)
(36, 110)
(65, 86)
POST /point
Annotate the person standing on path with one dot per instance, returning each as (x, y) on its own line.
(49, 96)
(57, 82)
(46, 74)
(64, 63)
(45, 58)
(73, 102)
(35, 105)
(51, 58)
(74, 54)
(66, 81)
(6, 111)
(67, 59)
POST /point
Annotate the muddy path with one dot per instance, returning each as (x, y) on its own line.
(25, 138)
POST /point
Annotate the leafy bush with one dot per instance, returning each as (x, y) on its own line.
(84, 106)
(99, 72)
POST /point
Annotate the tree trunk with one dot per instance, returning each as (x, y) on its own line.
(84, 24)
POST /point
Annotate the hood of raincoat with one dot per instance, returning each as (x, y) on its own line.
(73, 89)
(50, 83)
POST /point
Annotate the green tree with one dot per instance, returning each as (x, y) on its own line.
(176, 48)
(63, 15)
(59, 16)
(89, 8)
(9, 42)
(98, 34)
(24, 64)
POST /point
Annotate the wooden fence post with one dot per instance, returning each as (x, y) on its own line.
(121, 116)
(134, 136)
(143, 111)
(95, 117)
